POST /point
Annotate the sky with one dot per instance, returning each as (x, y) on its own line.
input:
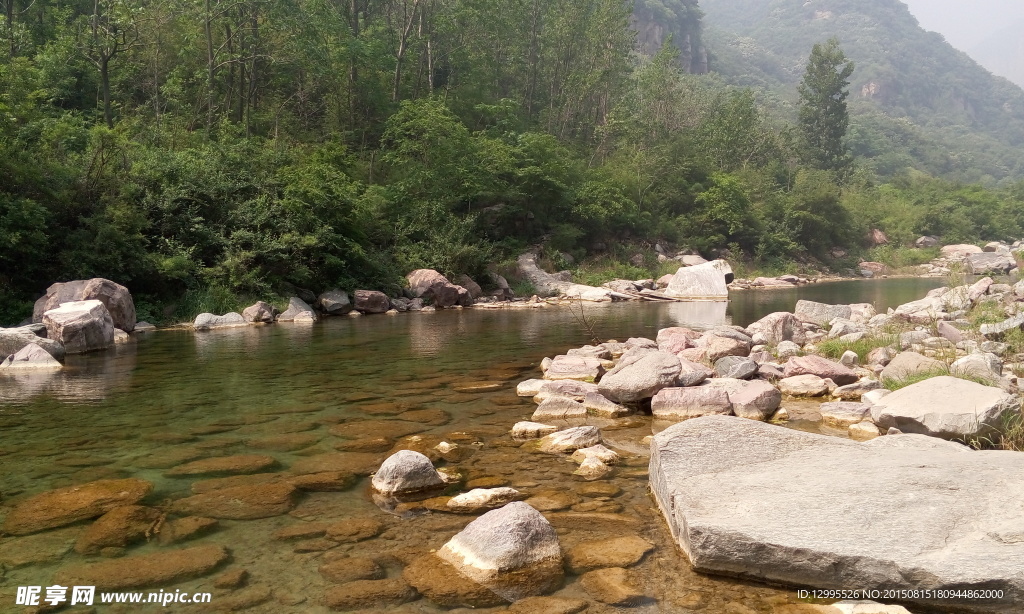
(966, 23)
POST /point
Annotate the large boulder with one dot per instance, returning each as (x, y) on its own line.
(960, 251)
(639, 375)
(12, 340)
(430, 285)
(947, 407)
(756, 400)
(821, 314)
(260, 311)
(81, 326)
(406, 472)
(775, 328)
(334, 302)
(911, 364)
(513, 551)
(114, 297)
(926, 241)
(371, 301)
(690, 402)
(708, 281)
(209, 321)
(822, 367)
(978, 264)
(750, 499)
(298, 311)
(30, 357)
(579, 368)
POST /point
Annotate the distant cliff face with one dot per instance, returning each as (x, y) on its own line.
(657, 20)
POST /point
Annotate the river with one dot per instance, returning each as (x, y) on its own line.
(170, 397)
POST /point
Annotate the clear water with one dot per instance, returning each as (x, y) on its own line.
(133, 411)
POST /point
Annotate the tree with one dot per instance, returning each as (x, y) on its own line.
(823, 114)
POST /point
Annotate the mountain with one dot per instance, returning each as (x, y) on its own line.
(1003, 53)
(916, 102)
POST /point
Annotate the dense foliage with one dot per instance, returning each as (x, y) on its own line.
(204, 152)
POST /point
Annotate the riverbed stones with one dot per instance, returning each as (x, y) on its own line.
(350, 569)
(730, 490)
(41, 548)
(241, 502)
(856, 390)
(371, 301)
(115, 298)
(298, 311)
(159, 569)
(592, 468)
(776, 328)
(118, 528)
(821, 314)
(572, 389)
(612, 586)
(690, 402)
(910, 364)
(530, 387)
(406, 472)
(597, 405)
(31, 358)
(513, 551)
(675, 339)
(559, 408)
(209, 321)
(843, 413)
(822, 367)
(614, 552)
(864, 430)
(980, 264)
(482, 499)
(570, 440)
(441, 583)
(548, 605)
(260, 312)
(979, 366)
(81, 326)
(354, 530)
(601, 453)
(64, 506)
(735, 367)
(578, 368)
(703, 281)
(639, 375)
(531, 430)
(223, 465)
(363, 594)
(946, 407)
(755, 400)
(692, 373)
(183, 529)
(996, 331)
(334, 302)
(718, 343)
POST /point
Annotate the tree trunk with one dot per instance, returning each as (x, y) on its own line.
(105, 86)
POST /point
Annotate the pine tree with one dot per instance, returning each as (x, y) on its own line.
(824, 117)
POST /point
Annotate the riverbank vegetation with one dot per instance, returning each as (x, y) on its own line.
(204, 153)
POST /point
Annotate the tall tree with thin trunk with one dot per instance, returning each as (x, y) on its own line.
(824, 117)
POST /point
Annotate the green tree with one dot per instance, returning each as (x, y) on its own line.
(824, 117)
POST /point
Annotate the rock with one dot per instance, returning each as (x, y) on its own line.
(623, 286)
(926, 242)
(599, 452)
(442, 584)
(978, 366)
(568, 388)
(948, 331)
(354, 530)
(708, 281)
(241, 502)
(755, 400)
(849, 359)
(910, 364)
(639, 376)
(872, 396)
(530, 387)
(785, 349)
(406, 472)
(880, 356)
(474, 289)
(979, 264)
(144, 327)
(866, 607)
(691, 259)
(820, 313)
(531, 430)
(923, 311)
(480, 499)
(574, 368)
(224, 465)
(692, 373)
(209, 321)
(675, 339)
(597, 405)
(259, 312)
(364, 594)
(570, 440)
(612, 586)
(843, 413)
(591, 351)
(735, 367)
(803, 386)
(776, 328)
(64, 506)
(996, 331)
(864, 430)
(118, 528)
(38, 549)
(856, 390)
(184, 529)
(615, 552)
(371, 301)
(960, 251)
(842, 327)
(946, 407)
(513, 551)
(115, 298)
(13, 340)
(822, 367)
(592, 468)
(934, 507)
(298, 311)
(548, 605)
(690, 402)
(31, 358)
(559, 408)
(433, 287)
(334, 302)
(81, 326)
(161, 569)
(350, 569)
(554, 285)
(717, 345)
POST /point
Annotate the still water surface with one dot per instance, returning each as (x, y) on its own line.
(169, 397)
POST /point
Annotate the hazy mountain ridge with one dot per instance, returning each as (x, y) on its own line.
(916, 100)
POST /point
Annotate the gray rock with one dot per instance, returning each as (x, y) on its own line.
(690, 402)
(709, 281)
(777, 328)
(868, 512)
(209, 321)
(430, 285)
(574, 368)
(591, 351)
(912, 338)
(554, 285)
(996, 331)
(598, 405)
(30, 357)
(755, 400)
(856, 390)
(298, 311)
(873, 396)
(114, 297)
(849, 359)
(559, 408)
(513, 551)
(785, 349)
(979, 366)
(12, 340)
(570, 440)
(563, 388)
(407, 472)
(926, 242)
(820, 313)
(639, 376)
(978, 264)
(371, 301)
(260, 311)
(334, 302)
(843, 326)
(994, 347)
(692, 373)
(948, 331)
(844, 413)
(642, 343)
(735, 367)
(908, 364)
(530, 387)
(806, 385)
(480, 499)
(473, 288)
(80, 326)
(946, 407)
(822, 367)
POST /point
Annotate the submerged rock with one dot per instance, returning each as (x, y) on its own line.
(406, 472)
(570, 440)
(150, 570)
(934, 507)
(241, 502)
(614, 552)
(63, 506)
(118, 528)
(613, 586)
(480, 499)
(362, 594)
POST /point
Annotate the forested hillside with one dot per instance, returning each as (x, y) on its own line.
(916, 101)
(204, 152)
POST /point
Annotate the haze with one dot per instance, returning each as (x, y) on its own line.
(967, 23)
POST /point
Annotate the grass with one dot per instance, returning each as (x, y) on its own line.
(898, 257)
(835, 348)
(896, 383)
(212, 299)
(1009, 435)
(987, 312)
